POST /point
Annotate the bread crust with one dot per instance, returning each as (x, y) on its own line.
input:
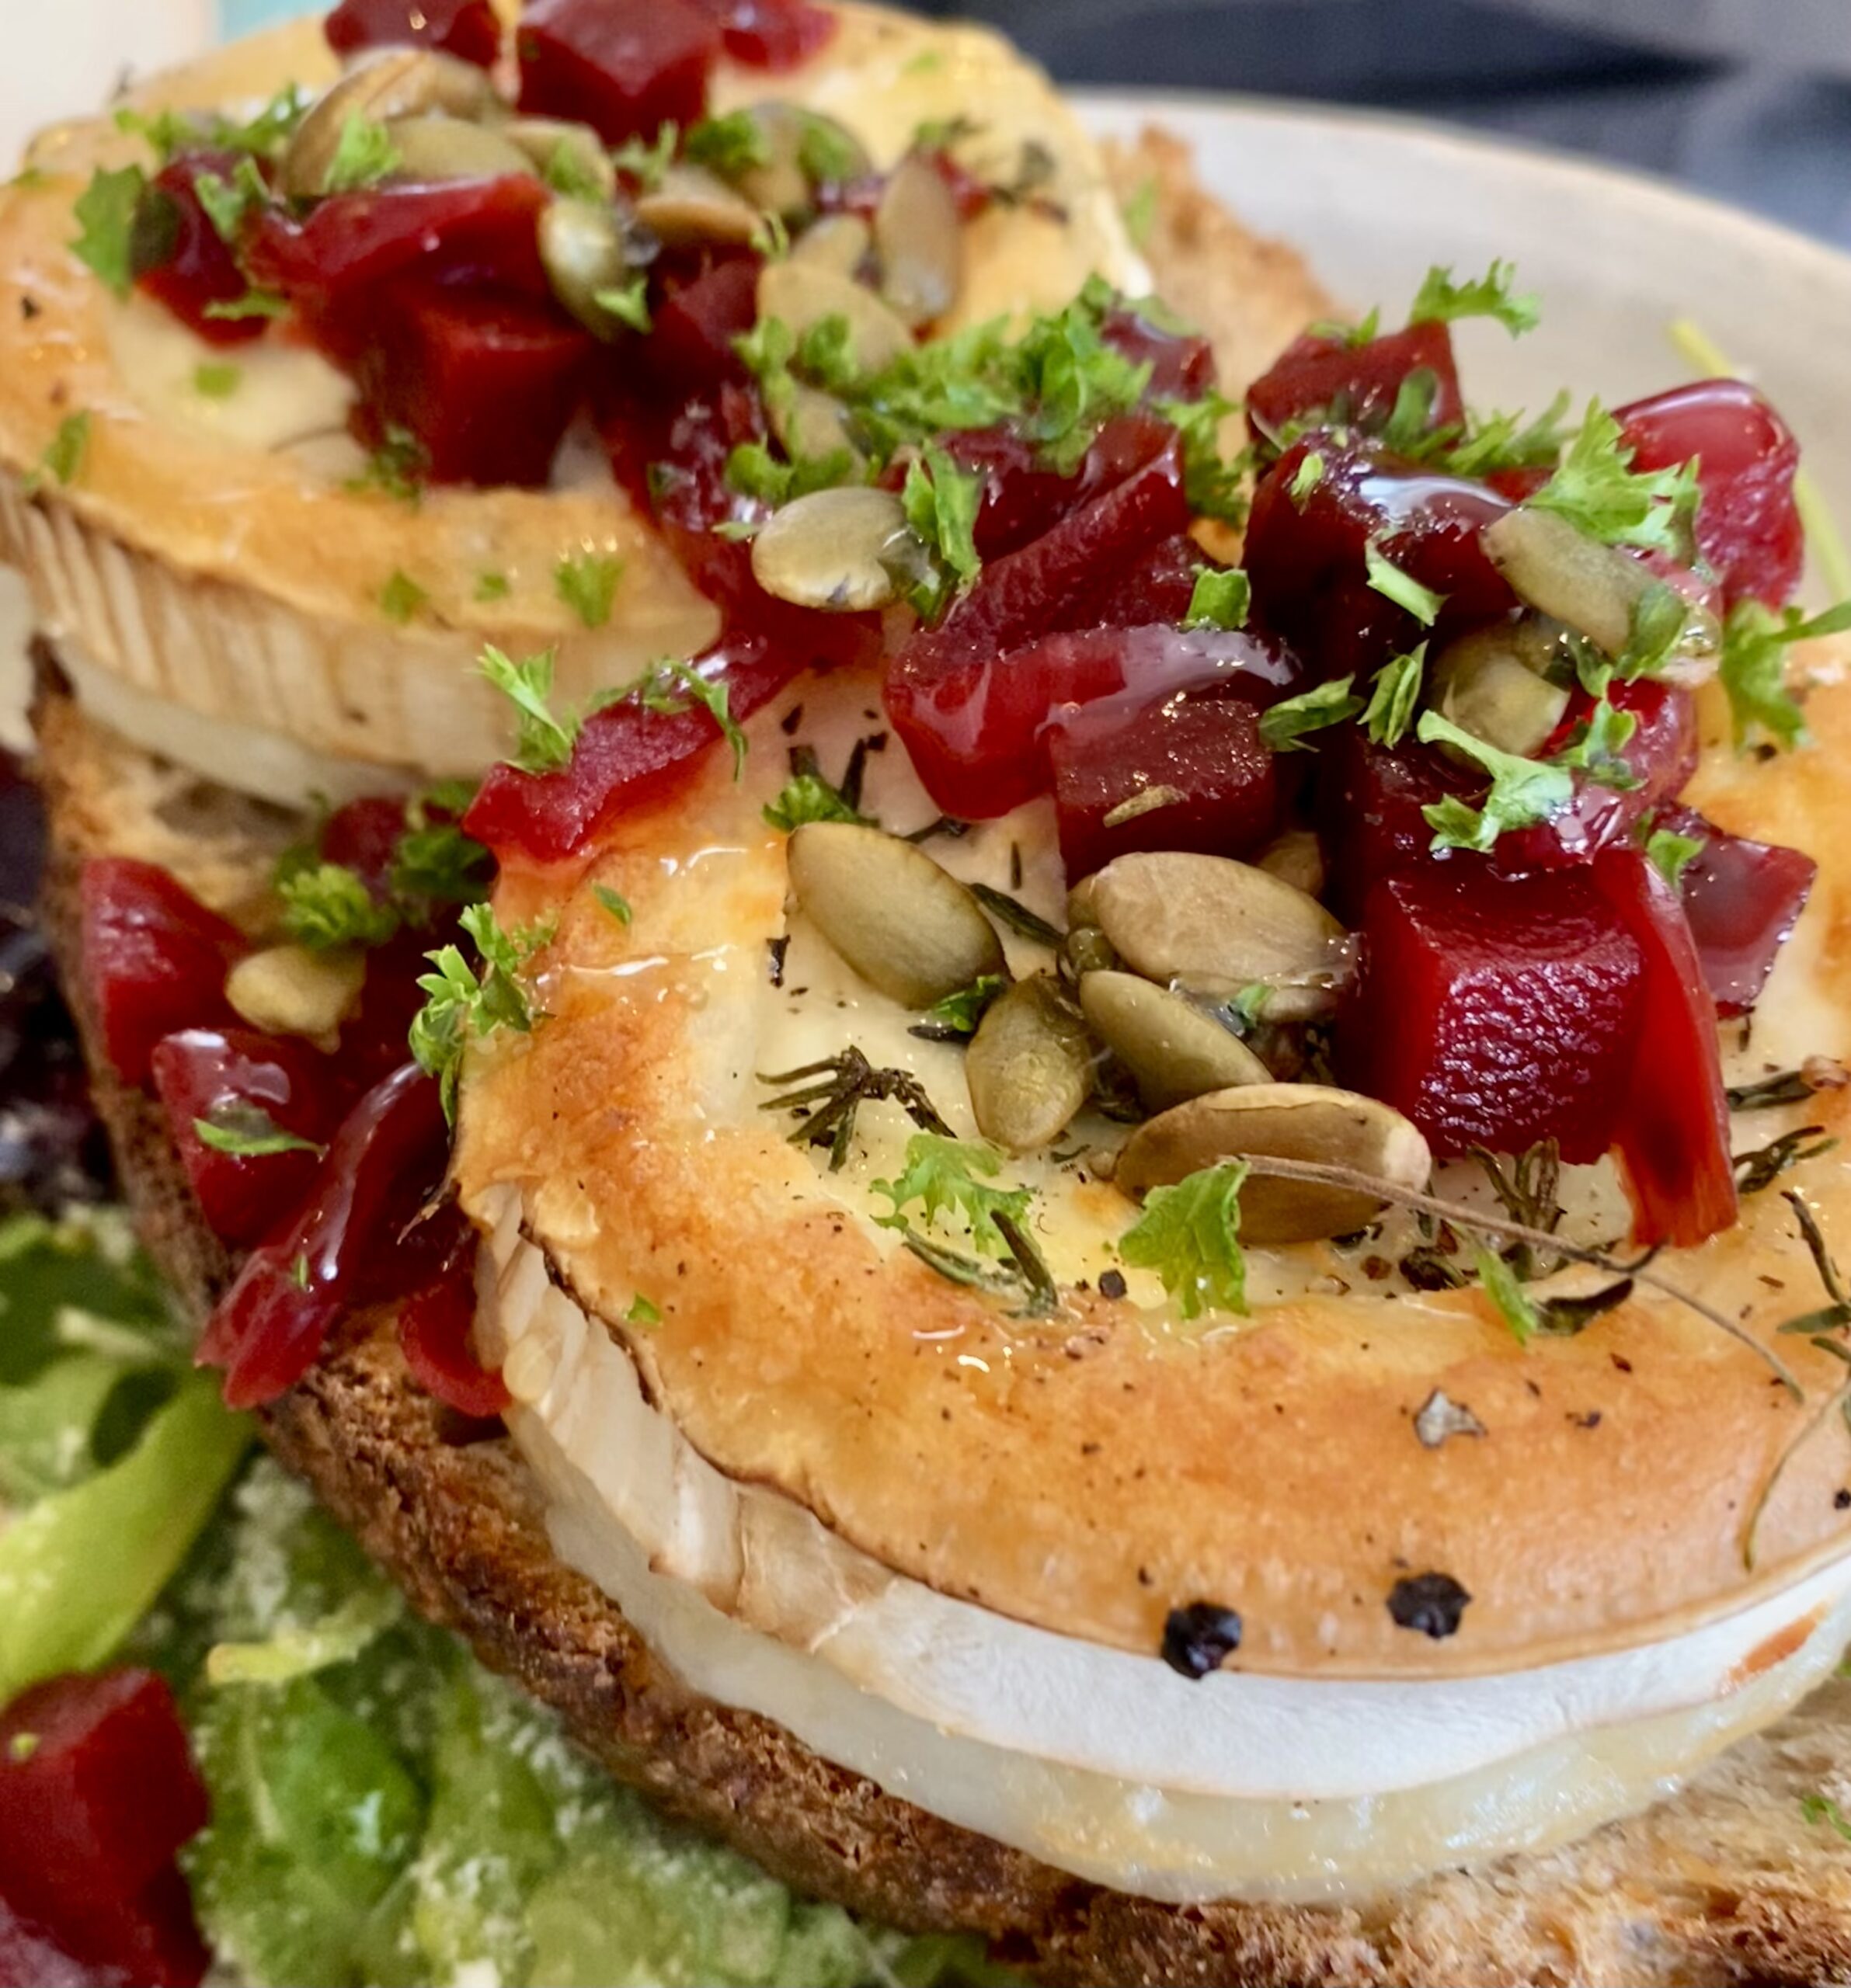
(1729, 1883)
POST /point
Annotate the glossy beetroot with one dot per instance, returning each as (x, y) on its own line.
(1307, 554)
(154, 959)
(1748, 526)
(690, 350)
(1673, 1126)
(1182, 365)
(771, 34)
(1494, 1011)
(627, 756)
(1743, 899)
(1205, 751)
(1328, 382)
(434, 1328)
(487, 383)
(356, 1240)
(976, 727)
(93, 1808)
(624, 66)
(180, 258)
(466, 29)
(1369, 810)
(238, 1079)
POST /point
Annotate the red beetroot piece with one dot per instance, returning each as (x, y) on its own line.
(976, 727)
(181, 259)
(771, 34)
(363, 836)
(1748, 526)
(1494, 1011)
(1158, 586)
(1673, 1125)
(627, 756)
(626, 67)
(356, 1240)
(1328, 382)
(690, 349)
(1307, 556)
(1182, 365)
(1369, 803)
(486, 384)
(466, 29)
(374, 1037)
(154, 959)
(238, 1079)
(434, 1328)
(93, 1808)
(1205, 750)
(1743, 899)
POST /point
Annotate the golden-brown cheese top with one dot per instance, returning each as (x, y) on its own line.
(1090, 1474)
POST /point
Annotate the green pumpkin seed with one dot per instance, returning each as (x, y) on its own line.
(900, 920)
(1486, 686)
(432, 149)
(381, 88)
(288, 990)
(692, 207)
(841, 242)
(1174, 1049)
(583, 249)
(921, 240)
(546, 140)
(837, 550)
(1310, 1122)
(1297, 858)
(1552, 566)
(1029, 1066)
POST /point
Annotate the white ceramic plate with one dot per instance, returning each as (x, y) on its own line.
(1374, 200)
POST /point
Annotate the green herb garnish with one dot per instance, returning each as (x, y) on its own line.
(542, 742)
(364, 155)
(1393, 696)
(1284, 725)
(586, 582)
(1403, 589)
(952, 1177)
(1596, 489)
(401, 598)
(1219, 599)
(1440, 301)
(1190, 1235)
(465, 1005)
(105, 211)
(1523, 792)
(247, 1132)
(64, 454)
(1671, 852)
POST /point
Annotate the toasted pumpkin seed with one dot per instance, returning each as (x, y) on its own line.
(1173, 1049)
(1549, 565)
(803, 294)
(1218, 925)
(1295, 858)
(391, 84)
(1029, 1066)
(837, 241)
(288, 990)
(900, 920)
(432, 147)
(784, 182)
(691, 207)
(582, 248)
(921, 241)
(837, 549)
(1486, 688)
(1311, 1122)
(544, 140)
(813, 426)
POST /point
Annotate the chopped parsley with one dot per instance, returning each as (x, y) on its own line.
(1219, 599)
(228, 204)
(326, 905)
(492, 587)
(1306, 478)
(1190, 1235)
(106, 212)
(246, 1132)
(568, 170)
(401, 598)
(253, 303)
(628, 302)
(1597, 745)
(1393, 697)
(941, 500)
(1440, 301)
(542, 742)
(397, 466)
(217, 380)
(952, 1177)
(1822, 1809)
(808, 797)
(1283, 725)
(1139, 212)
(586, 582)
(615, 903)
(64, 454)
(1522, 792)
(958, 1013)
(1215, 485)
(466, 1005)
(646, 164)
(364, 155)
(642, 1313)
(1515, 1305)
(672, 687)
(826, 152)
(1403, 589)
(1596, 489)
(730, 146)
(1755, 640)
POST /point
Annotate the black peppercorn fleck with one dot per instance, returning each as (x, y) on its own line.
(1841, 1502)
(1112, 1284)
(1432, 1603)
(1196, 1638)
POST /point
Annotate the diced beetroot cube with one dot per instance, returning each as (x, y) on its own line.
(1159, 586)
(626, 67)
(1742, 899)
(154, 959)
(466, 29)
(374, 1037)
(626, 757)
(976, 727)
(220, 1074)
(1673, 1132)
(488, 384)
(363, 836)
(434, 1326)
(1369, 803)
(690, 349)
(1022, 497)
(355, 1241)
(1182, 365)
(1748, 526)
(98, 1791)
(772, 34)
(181, 259)
(1662, 754)
(1307, 556)
(1327, 383)
(477, 232)
(1205, 749)
(1494, 1011)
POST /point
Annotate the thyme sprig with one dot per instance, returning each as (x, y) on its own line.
(837, 1087)
(1025, 1275)
(1762, 1167)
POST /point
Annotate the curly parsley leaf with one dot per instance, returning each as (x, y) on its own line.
(543, 743)
(229, 203)
(466, 1003)
(1403, 589)
(826, 152)
(1393, 694)
(1440, 301)
(1597, 745)
(1596, 489)
(1284, 725)
(941, 500)
(1219, 599)
(1523, 792)
(1215, 485)
(1190, 1235)
(1822, 1809)
(106, 212)
(364, 155)
(808, 797)
(646, 163)
(1671, 853)
(952, 1177)
(615, 903)
(672, 687)
(246, 1132)
(586, 582)
(214, 380)
(326, 905)
(729, 145)
(1753, 668)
